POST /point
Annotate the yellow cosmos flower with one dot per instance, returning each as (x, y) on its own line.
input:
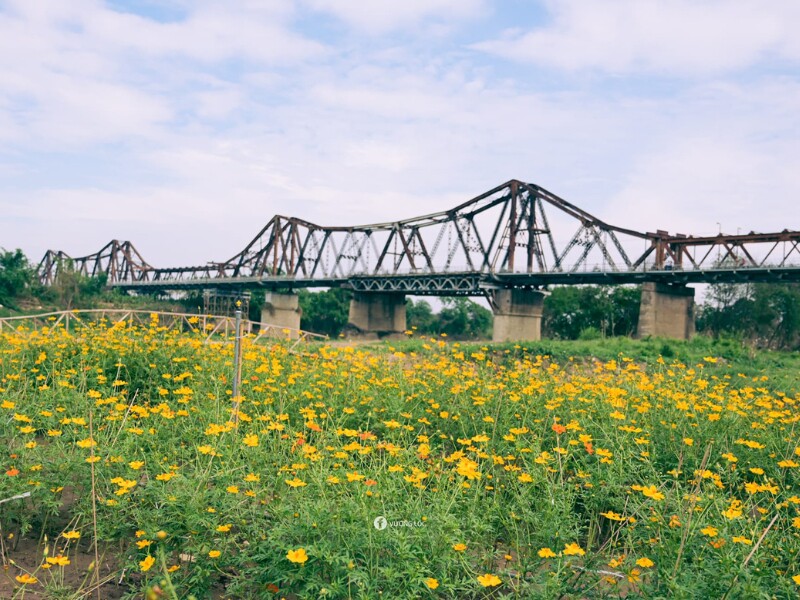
(431, 583)
(214, 553)
(489, 580)
(645, 562)
(459, 547)
(148, 562)
(546, 553)
(613, 516)
(651, 491)
(298, 556)
(710, 531)
(573, 549)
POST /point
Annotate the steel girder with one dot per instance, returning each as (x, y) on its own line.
(512, 233)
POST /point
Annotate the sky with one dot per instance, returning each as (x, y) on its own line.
(185, 125)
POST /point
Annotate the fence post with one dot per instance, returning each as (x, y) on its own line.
(237, 363)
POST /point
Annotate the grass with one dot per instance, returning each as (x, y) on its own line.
(599, 469)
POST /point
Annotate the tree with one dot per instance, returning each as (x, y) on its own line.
(608, 310)
(17, 276)
(420, 317)
(72, 289)
(325, 312)
(462, 318)
(765, 313)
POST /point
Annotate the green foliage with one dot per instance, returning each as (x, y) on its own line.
(72, 289)
(460, 318)
(420, 317)
(17, 276)
(569, 311)
(766, 313)
(325, 312)
(481, 457)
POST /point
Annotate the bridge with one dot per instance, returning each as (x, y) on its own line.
(507, 244)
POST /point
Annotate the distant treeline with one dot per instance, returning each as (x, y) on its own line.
(767, 315)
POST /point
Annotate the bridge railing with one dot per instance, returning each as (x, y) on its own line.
(209, 326)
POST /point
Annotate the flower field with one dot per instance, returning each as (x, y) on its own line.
(429, 470)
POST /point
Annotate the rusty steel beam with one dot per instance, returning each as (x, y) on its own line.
(506, 231)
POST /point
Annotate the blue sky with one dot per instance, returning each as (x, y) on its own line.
(183, 126)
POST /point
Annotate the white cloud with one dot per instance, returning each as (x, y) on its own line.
(666, 36)
(381, 17)
(378, 131)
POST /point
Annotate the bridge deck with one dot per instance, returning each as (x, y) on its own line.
(473, 284)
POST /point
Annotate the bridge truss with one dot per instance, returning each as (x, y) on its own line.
(517, 234)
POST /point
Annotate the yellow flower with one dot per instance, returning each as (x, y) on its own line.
(250, 440)
(297, 556)
(136, 464)
(296, 482)
(71, 535)
(25, 579)
(688, 441)
(525, 478)
(60, 560)
(613, 516)
(573, 549)
(232, 489)
(710, 531)
(489, 580)
(148, 562)
(651, 491)
(645, 562)
(214, 553)
(459, 547)
(546, 553)
(223, 528)
(734, 511)
(796, 579)
(740, 539)
(431, 583)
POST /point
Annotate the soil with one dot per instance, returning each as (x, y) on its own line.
(26, 555)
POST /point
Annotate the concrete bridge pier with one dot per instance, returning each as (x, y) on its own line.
(378, 312)
(666, 311)
(517, 315)
(281, 311)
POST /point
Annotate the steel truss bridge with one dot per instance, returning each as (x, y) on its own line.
(515, 235)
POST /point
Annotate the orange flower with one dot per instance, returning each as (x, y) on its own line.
(559, 429)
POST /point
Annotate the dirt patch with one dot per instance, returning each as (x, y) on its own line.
(74, 580)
